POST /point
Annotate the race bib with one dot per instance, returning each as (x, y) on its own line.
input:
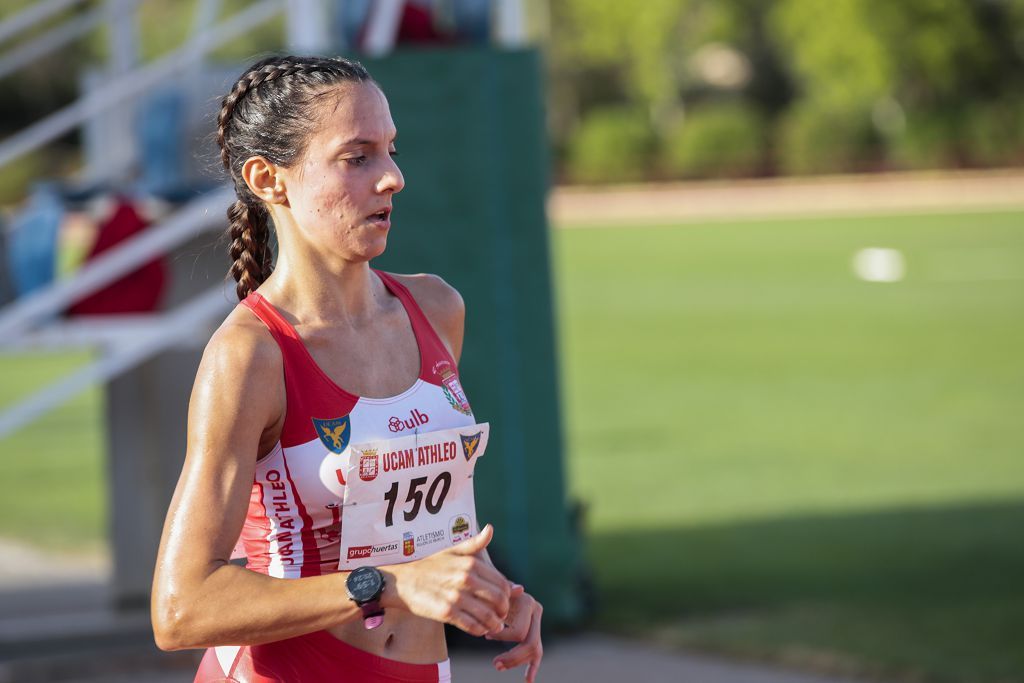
(409, 497)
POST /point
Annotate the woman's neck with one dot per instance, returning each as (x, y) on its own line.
(320, 294)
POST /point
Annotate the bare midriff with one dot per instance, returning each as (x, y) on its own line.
(403, 637)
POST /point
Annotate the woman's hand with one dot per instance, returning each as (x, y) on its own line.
(521, 626)
(456, 586)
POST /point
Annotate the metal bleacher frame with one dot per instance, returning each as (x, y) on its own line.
(32, 321)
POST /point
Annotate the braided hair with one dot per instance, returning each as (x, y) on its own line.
(269, 112)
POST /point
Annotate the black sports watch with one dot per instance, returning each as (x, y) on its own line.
(365, 586)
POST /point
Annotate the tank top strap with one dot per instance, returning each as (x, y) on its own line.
(432, 349)
(282, 331)
(309, 391)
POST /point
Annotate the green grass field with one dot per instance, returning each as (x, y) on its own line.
(53, 476)
(805, 466)
(779, 461)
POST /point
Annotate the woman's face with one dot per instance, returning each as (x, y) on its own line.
(340, 190)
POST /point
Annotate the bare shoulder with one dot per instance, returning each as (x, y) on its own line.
(435, 296)
(242, 366)
(442, 304)
(243, 343)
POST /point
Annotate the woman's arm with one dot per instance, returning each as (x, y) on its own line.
(200, 599)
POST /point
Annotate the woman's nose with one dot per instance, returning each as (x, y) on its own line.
(392, 180)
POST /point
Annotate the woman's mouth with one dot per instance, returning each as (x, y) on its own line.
(381, 218)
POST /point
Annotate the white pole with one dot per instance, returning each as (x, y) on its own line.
(206, 14)
(307, 27)
(124, 45)
(511, 24)
(382, 27)
(118, 123)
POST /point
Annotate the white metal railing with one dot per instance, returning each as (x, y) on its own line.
(30, 323)
(53, 39)
(306, 31)
(32, 15)
(127, 341)
(182, 326)
(207, 211)
(135, 82)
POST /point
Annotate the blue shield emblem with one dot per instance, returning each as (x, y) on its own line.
(470, 444)
(334, 433)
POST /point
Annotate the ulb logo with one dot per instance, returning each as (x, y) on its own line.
(408, 544)
(333, 433)
(470, 444)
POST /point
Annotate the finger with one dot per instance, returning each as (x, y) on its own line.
(482, 612)
(483, 576)
(517, 623)
(466, 621)
(475, 544)
(492, 594)
(517, 656)
(530, 650)
(532, 669)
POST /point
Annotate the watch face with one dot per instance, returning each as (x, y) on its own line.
(364, 584)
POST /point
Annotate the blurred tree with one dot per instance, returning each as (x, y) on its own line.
(837, 86)
(613, 144)
(844, 85)
(717, 140)
(841, 67)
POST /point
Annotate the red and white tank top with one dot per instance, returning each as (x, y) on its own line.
(293, 525)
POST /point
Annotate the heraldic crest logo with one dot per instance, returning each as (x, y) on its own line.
(452, 388)
(334, 433)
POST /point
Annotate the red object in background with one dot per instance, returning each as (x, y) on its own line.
(137, 292)
(415, 26)
(418, 27)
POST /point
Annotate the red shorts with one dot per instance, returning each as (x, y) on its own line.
(313, 658)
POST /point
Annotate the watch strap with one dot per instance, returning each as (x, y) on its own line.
(373, 614)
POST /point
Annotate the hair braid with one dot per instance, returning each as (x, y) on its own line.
(269, 112)
(252, 261)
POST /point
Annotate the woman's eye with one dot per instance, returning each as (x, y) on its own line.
(357, 161)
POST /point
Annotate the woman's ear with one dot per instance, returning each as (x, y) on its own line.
(265, 180)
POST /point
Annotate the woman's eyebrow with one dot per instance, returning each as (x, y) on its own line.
(363, 141)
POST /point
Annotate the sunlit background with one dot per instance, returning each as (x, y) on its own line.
(770, 329)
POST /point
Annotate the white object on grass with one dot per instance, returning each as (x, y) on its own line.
(876, 264)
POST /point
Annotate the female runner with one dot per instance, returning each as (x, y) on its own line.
(321, 351)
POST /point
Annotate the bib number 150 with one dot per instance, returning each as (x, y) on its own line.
(436, 493)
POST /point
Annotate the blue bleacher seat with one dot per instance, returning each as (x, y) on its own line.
(32, 239)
